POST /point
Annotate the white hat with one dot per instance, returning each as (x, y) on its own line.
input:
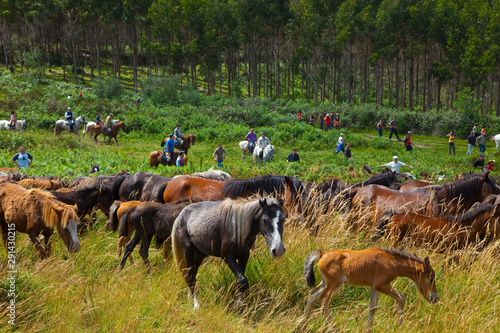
(394, 157)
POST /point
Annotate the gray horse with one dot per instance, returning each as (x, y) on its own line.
(225, 229)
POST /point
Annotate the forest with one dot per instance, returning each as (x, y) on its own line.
(416, 55)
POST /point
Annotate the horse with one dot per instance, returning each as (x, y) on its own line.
(212, 174)
(245, 148)
(317, 197)
(44, 184)
(116, 212)
(496, 139)
(156, 158)
(93, 168)
(212, 190)
(88, 126)
(141, 186)
(189, 140)
(20, 125)
(150, 219)
(267, 155)
(435, 199)
(98, 129)
(375, 268)
(37, 212)
(225, 229)
(445, 233)
(63, 125)
(413, 184)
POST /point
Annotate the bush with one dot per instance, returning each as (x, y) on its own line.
(110, 89)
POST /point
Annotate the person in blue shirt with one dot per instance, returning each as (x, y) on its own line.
(181, 160)
(98, 119)
(293, 157)
(69, 117)
(22, 159)
(169, 145)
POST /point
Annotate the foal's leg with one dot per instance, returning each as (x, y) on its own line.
(333, 284)
(145, 243)
(34, 239)
(372, 307)
(390, 291)
(167, 246)
(129, 248)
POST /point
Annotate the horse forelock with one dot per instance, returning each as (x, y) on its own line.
(404, 254)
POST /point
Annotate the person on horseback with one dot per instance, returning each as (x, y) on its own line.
(262, 143)
(12, 124)
(169, 146)
(69, 118)
(108, 123)
(251, 138)
(178, 135)
(98, 119)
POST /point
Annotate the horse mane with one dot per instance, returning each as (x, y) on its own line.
(481, 208)
(404, 254)
(467, 188)
(267, 184)
(331, 183)
(239, 213)
(54, 212)
(380, 179)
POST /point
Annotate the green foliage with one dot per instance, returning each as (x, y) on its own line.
(110, 89)
(466, 103)
(163, 90)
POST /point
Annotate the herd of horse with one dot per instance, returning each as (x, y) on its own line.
(211, 214)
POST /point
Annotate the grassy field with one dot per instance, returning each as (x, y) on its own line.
(85, 292)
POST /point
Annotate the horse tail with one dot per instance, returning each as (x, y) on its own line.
(309, 267)
(178, 250)
(159, 193)
(383, 220)
(116, 187)
(113, 216)
(124, 223)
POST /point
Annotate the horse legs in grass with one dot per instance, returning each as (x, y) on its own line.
(193, 263)
(372, 307)
(167, 246)
(43, 251)
(129, 248)
(390, 291)
(239, 271)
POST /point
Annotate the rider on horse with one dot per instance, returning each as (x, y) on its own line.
(98, 119)
(169, 146)
(251, 138)
(108, 123)
(262, 143)
(69, 118)
(12, 124)
(178, 135)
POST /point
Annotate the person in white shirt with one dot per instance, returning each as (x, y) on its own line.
(395, 165)
(340, 144)
(262, 143)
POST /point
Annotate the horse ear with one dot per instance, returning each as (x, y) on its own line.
(486, 177)
(427, 263)
(288, 181)
(263, 202)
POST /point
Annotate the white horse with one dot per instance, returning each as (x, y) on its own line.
(64, 125)
(267, 155)
(19, 126)
(244, 146)
(210, 174)
(88, 126)
(496, 138)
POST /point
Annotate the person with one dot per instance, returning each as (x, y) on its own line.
(251, 138)
(80, 95)
(347, 152)
(395, 165)
(219, 155)
(394, 129)
(483, 130)
(451, 142)
(475, 129)
(138, 101)
(321, 121)
(490, 165)
(98, 120)
(69, 118)
(336, 121)
(12, 123)
(169, 145)
(407, 141)
(471, 141)
(328, 122)
(340, 144)
(178, 135)
(262, 143)
(22, 159)
(108, 123)
(181, 159)
(479, 162)
(481, 141)
(299, 115)
(380, 128)
(311, 120)
(293, 157)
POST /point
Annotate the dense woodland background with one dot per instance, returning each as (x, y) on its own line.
(407, 54)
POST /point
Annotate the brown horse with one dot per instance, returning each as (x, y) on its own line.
(375, 268)
(98, 129)
(413, 184)
(448, 233)
(214, 190)
(116, 212)
(155, 159)
(37, 212)
(434, 200)
(51, 185)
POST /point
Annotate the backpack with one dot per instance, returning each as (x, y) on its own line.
(405, 139)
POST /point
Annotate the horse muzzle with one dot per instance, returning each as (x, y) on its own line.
(278, 252)
(73, 247)
(433, 298)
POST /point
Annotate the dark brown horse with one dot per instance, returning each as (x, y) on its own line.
(36, 212)
(140, 186)
(98, 129)
(117, 210)
(213, 190)
(150, 219)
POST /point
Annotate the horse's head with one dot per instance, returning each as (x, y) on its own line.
(23, 123)
(83, 119)
(271, 225)
(489, 185)
(269, 153)
(426, 282)
(94, 168)
(68, 230)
